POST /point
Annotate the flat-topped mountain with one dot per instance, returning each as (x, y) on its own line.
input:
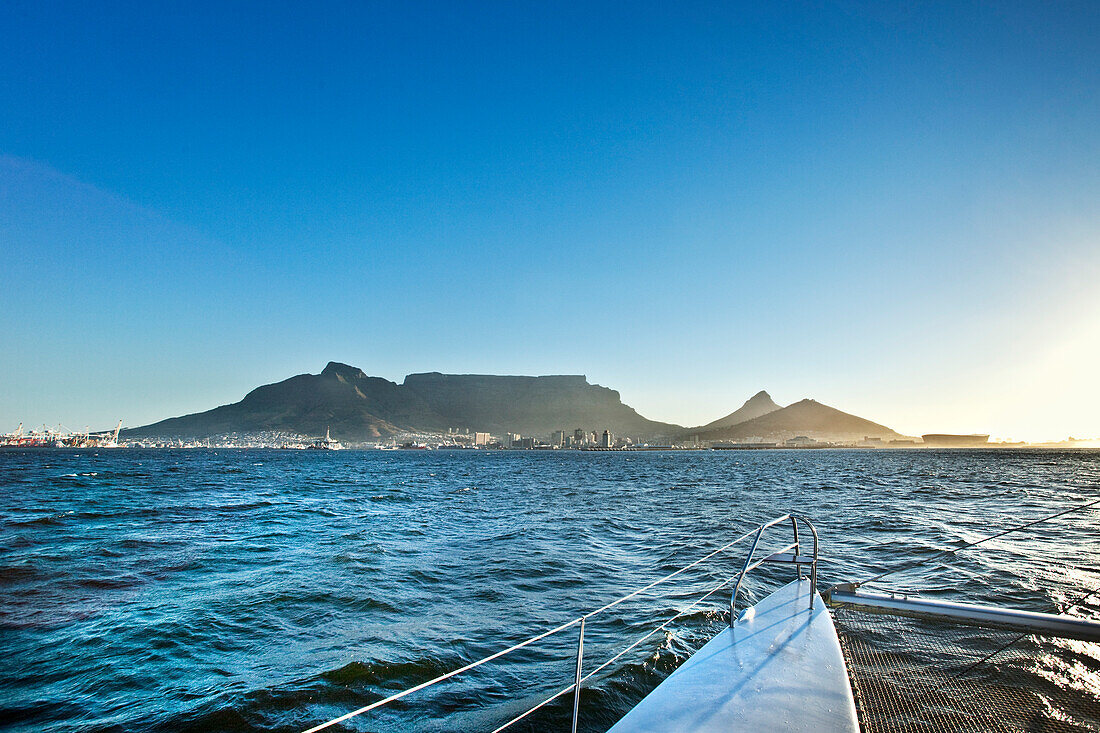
(809, 418)
(529, 405)
(357, 407)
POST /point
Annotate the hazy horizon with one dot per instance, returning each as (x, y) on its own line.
(892, 210)
(692, 423)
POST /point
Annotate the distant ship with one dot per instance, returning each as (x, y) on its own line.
(944, 440)
(325, 443)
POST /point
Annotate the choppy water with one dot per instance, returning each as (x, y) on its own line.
(271, 590)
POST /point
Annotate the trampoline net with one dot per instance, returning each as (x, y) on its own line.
(918, 675)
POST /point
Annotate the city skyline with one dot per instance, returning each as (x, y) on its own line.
(891, 210)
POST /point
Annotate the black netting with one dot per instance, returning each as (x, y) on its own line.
(913, 675)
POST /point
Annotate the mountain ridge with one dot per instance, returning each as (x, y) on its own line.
(357, 407)
(758, 405)
(806, 417)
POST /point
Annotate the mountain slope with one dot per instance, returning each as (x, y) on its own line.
(759, 404)
(340, 397)
(809, 418)
(358, 407)
(530, 405)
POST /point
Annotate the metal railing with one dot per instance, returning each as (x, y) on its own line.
(797, 559)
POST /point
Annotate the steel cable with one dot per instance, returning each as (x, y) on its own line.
(527, 642)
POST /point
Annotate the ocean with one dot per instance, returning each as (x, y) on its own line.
(254, 590)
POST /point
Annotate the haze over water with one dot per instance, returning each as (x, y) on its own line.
(269, 590)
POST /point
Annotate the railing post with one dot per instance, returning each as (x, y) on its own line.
(741, 577)
(813, 564)
(797, 546)
(813, 581)
(577, 679)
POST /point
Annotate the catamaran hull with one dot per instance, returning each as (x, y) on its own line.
(780, 667)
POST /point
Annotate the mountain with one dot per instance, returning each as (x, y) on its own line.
(809, 418)
(529, 405)
(759, 404)
(308, 404)
(357, 407)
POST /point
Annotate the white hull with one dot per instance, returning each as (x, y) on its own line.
(779, 668)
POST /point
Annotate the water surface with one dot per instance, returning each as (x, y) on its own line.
(270, 590)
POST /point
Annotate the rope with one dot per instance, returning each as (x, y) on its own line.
(670, 576)
(618, 656)
(968, 545)
(522, 644)
(440, 678)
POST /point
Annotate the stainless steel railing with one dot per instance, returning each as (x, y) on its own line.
(580, 678)
(797, 559)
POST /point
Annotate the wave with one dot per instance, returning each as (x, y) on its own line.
(198, 592)
(46, 519)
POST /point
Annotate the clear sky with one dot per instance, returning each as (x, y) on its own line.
(892, 209)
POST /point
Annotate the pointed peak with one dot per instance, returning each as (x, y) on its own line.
(344, 371)
(761, 401)
(759, 404)
(808, 404)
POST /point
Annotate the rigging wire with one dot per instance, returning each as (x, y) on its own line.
(947, 553)
(908, 566)
(609, 662)
(1062, 608)
(522, 644)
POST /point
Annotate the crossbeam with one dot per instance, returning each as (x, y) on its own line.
(1029, 622)
(790, 559)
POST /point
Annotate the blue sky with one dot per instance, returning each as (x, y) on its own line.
(892, 209)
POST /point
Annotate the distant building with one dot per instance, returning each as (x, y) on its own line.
(525, 443)
(607, 440)
(578, 438)
(944, 440)
(557, 438)
(482, 438)
(799, 441)
(510, 440)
